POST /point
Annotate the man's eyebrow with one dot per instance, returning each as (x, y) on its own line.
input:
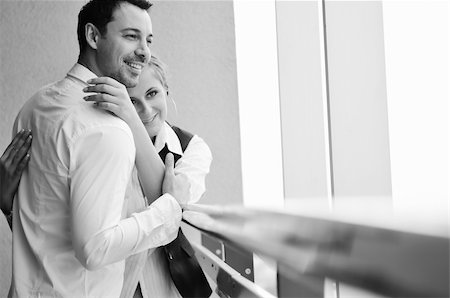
(136, 31)
(131, 29)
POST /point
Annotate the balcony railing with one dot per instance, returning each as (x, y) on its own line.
(390, 257)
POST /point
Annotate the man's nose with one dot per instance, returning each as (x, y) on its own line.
(143, 51)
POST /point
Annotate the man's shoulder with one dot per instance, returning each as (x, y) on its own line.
(59, 106)
(49, 91)
(89, 118)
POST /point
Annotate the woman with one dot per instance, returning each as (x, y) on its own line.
(12, 163)
(145, 112)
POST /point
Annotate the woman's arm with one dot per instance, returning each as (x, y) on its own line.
(12, 163)
(148, 163)
(113, 97)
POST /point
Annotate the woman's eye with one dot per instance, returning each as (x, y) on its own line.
(131, 36)
(133, 101)
(152, 93)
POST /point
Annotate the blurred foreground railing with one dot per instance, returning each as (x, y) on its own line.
(386, 259)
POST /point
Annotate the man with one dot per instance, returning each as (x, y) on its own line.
(70, 237)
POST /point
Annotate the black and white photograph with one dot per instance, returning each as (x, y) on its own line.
(227, 148)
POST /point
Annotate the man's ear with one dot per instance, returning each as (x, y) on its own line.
(92, 35)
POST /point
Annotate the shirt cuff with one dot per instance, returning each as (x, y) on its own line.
(159, 222)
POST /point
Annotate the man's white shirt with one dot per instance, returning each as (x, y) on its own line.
(70, 237)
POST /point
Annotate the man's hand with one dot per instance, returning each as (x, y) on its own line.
(12, 163)
(176, 185)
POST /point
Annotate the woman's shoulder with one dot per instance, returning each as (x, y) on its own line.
(184, 136)
(181, 132)
(190, 141)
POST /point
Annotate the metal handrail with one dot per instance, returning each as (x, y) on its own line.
(385, 259)
(230, 283)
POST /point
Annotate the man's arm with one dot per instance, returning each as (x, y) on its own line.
(100, 173)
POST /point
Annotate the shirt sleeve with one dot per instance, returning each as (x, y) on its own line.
(101, 165)
(195, 164)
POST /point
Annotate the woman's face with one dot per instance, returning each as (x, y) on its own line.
(149, 99)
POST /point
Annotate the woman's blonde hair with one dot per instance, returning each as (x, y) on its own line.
(160, 70)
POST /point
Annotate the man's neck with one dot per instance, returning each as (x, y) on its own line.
(89, 62)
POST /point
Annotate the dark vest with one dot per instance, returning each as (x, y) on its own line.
(186, 272)
(184, 137)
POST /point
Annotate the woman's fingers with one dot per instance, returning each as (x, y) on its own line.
(16, 157)
(20, 139)
(22, 164)
(22, 150)
(106, 89)
(111, 96)
(113, 108)
(102, 97)
(105, 80)
(102, 88)
(105, 102)
(13, 145)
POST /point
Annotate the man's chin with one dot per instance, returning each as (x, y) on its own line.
(130, 83)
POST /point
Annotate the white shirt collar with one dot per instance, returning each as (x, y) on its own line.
(81, 73)
(167, 135)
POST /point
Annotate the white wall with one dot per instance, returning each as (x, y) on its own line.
(358, 103)
(303, 102)
(417, 65)
(388, 87)
(257, 73)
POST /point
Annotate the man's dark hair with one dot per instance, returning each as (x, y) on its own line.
(99, 13)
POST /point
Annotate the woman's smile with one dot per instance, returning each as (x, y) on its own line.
(149, 119)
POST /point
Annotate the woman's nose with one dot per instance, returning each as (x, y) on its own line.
(146, 108)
